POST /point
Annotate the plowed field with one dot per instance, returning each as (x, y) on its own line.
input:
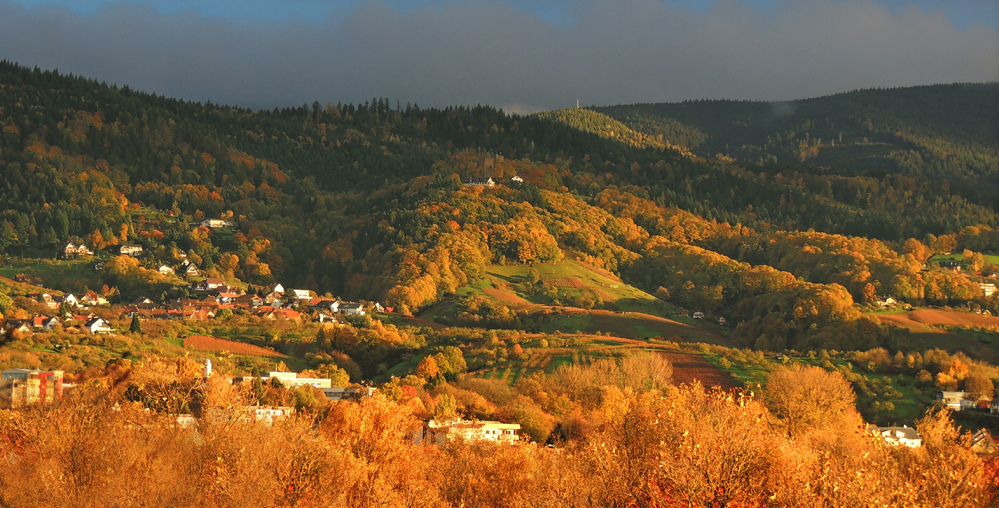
(206, 343)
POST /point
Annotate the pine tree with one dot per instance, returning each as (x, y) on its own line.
(135, 326)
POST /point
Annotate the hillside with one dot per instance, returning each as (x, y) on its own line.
(941, 131)
(366, 202)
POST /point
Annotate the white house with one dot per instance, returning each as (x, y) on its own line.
(439, 432)
(165, 270)
(900, 436)
(351, 309)
(289, 380)
(323, 317)
(97, 325)
(217, 223)
(301, 294)
(988, 288)
(478, 182)
(953, 400)
(130, 250)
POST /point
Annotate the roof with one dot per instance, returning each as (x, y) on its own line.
(900, 432)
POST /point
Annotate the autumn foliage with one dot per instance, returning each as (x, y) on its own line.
(206, 343)
(659, 447)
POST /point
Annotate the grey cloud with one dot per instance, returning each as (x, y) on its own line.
(491, 53)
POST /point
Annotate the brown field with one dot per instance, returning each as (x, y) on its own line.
(206, 343)
(952, 318)
(927, 326)
(506, 296)
(564, 282)
(688, 367)
(923, 319)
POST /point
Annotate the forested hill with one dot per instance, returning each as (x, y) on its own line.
(949, 131)
(365, 201)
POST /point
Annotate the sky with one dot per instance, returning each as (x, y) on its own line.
(521, 55)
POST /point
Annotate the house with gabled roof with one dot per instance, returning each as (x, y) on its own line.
(70, 251)
(898, 436)
(322, 317)
(351, 309)
(91, 298)
(97, 325)
(441, 431)
(189, 269)
(130, 250)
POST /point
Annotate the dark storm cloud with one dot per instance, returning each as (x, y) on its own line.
(493, 53)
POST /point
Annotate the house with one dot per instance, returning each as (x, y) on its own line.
(988, 288)
(275, 288)
(951, 265)
(887, 302)
(269, 414)
(248, 300)
(165, 270)
(130, 250)
(91, 298)
(323, 317)
(188, 269)
(377, 307)
(288, 379)
(898, 436)
(440, 432)
(478, 182)
(350, 392)
(71, 251)
(97, 325)
(208, 284)
(953, 400)
(983, 402)
(301, 294)
(227, 298)
(217, 223)
(983, 443)
(19, 325)
(23, 386)
(46, 323)
(28, 279)
(516, 179)
(698, 315)
(267, 312)
(70, 299)
(994, 406)
(351, 309)
(324, 304)
(274, 299)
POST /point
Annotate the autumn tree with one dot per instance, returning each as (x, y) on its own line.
(809, 398)
(427, 368)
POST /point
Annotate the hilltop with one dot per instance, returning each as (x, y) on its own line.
(939, 131)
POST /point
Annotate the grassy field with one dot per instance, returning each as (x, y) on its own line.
(575, 279)
(575, 297)
(583, 349)
(75, 275)
(991, 258)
